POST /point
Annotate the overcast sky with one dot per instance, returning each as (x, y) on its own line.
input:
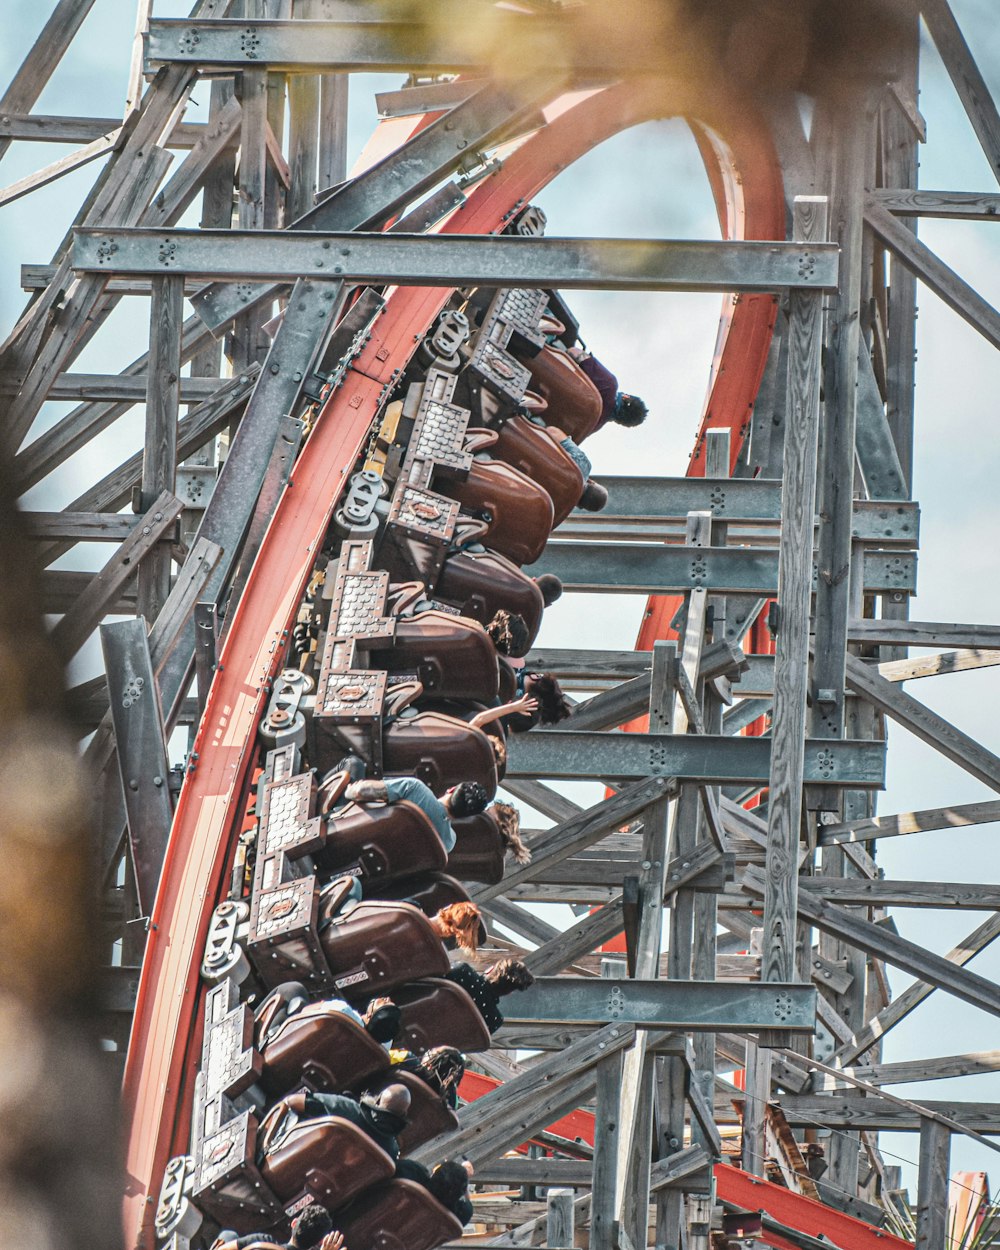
(650, 183)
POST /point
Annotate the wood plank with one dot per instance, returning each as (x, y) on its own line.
(925, 634)
(38, 66)
(940, 1068)
(119, 388)
(71, 632)
(857, 892)
(57, 169)
(932, 1185)
(955, 205)
(967, 78)
(936, 665)
(903, 823)
(923, 723)
(56, 128)
(914, 995)
(788, 724)
(859, 1112)
(934, 273)
(90, 527)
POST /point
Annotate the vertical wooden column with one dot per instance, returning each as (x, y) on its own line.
(303, 133)
(560, 1224)
(932, 1185)
(606, 1136)
(159, 460)
(332, 129)
(788, 724)
(252, 90)
(758, 1091)
(637, 1088)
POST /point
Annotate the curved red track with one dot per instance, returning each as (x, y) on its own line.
(164, 1047)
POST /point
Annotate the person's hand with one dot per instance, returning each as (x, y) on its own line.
(527, 704)
(333, 1241)
(467, 1164)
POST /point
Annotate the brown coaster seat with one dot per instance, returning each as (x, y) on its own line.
(377, 946)
(379, 842)
(440, 750)
(439, 1013)
(452, 657)
(479, 853)
(520, 513)
(400, 1215)
(574, 402)
(322, 1048)
(482, 583)
(528, 448)
(325, 1157)
(428, 1114)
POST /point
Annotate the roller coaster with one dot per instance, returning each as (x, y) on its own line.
(403, 484)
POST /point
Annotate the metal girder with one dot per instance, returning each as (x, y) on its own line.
(742, 499)
(390, 184)
(687, 1005)
(142, 752)
(645, 568)
(694, 757)
(459, 260)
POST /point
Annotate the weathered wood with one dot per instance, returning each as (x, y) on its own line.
(932, 1184)
(859, 1112)
(788, 725)
(969, 82)
(914, 995)
(159, 457)
(934, 273)
(219, 134)
(908, 202)
(880, 942)
(925, 634)
(53, 128)
(934, 665)
(903, 823)
(70, 633)
(560, 1225)
(937, 1069)
(924, 724)
(120, 387)
(56, 169)
(38, 66)
(856, 892)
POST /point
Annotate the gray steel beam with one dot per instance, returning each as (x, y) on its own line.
(142, 752)
(459, 260)
(721, 760)
(694, 1005)
(370, 199)
(646, 568)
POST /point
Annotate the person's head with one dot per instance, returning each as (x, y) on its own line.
(509, 633)
(552, 703)
(395, 1099)
(468, 798)
(508, 820)
(460, 921)
(444, 1066)
(382, 1019)
(499, 745)
(629, 410)
(309, 1228)
(550, 586)
(509, 975)
(449, 1182)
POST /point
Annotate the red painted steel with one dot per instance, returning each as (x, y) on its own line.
(163, 1052)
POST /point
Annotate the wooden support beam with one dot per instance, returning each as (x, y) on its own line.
(950, 205)
(932, 1185)
(38, 66)
(878, 941)
(858, 1112)
(903, 823)
(934, 273)
(72, 631)
(56, 169)
(54, 128)
(788, 725)
(925, 634)
(924, 724)
(967, 78)
(914, 995)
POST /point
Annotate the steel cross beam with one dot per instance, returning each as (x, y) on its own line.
(459, 260)
(684, 1005)
(716, 759)
(652, 568)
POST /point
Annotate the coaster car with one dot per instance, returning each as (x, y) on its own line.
(430, 892)
(322, 1048)
(428, 1114)
(376, 946)
(379, 842)
(439, 1013)
(574, 402)
(325, 1158)
(479, 853)
(451, 656)
(482, 583)
(399, 1215)
(441, 750)
(530, 449)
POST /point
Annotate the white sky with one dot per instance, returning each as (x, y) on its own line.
(649, 182)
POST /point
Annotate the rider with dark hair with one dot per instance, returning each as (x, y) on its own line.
(617, 406)
(509, 633)
(448, 1183)
(441, 1067)
(312, 1228)
(552, 704)
(486, 989)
